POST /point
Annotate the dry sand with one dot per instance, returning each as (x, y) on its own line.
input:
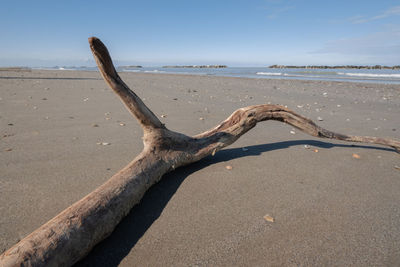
(329, 208)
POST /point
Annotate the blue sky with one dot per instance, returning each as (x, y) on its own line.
(235, 32)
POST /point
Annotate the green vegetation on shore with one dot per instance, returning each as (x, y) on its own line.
(376, 67)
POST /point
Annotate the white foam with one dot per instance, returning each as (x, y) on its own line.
(154, 71)
(374, 75)
(269, 73)
(127, 70)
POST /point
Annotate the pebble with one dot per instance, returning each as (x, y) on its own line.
(7, 135)
(320, 119)
(306, 146)
(163, 116)
(201, 118)
(8, 149)
(397, 167)
(95, 125)
(268, 218)
(122, 124)
(292, 132)
(228, 167)
(103, 143)
(356, 156)
(316, 150)
(85, 99)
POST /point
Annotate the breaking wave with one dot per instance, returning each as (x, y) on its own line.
(269, 73)
(372, 75)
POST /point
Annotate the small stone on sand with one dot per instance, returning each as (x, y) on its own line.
(163, 116)
(103, 143)
(228, 167)
(292, 132)
(356, 156)
(268, 218)
(316, 150)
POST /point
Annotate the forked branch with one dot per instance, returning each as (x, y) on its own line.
(70, 235)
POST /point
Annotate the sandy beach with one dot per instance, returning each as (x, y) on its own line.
(64, 133)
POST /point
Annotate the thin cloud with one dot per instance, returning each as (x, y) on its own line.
(393, 11)
(382, 46)
(375, 43)
(274, 13)
(276, 8)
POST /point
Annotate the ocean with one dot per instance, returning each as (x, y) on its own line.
(344, 75)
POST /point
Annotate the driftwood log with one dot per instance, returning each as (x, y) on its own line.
(70, 235)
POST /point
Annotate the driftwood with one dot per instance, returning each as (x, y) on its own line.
(70, 235)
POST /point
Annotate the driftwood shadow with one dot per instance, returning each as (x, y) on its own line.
(112, 250)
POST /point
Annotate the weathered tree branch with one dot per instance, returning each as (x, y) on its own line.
(70, 235)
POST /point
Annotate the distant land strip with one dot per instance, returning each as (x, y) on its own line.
(131, 66)
(376, 67)
(199, 66)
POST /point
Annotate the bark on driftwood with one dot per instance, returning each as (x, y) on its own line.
(70, 235)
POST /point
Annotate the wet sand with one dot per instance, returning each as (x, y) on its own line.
(329, 207)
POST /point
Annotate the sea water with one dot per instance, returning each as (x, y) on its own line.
(349, 75)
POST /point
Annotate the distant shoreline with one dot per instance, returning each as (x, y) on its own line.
(376, 67)
(197, 66)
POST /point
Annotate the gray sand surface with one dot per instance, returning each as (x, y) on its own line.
(330, 209)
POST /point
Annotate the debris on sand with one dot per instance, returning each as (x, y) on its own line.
(268, 218)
